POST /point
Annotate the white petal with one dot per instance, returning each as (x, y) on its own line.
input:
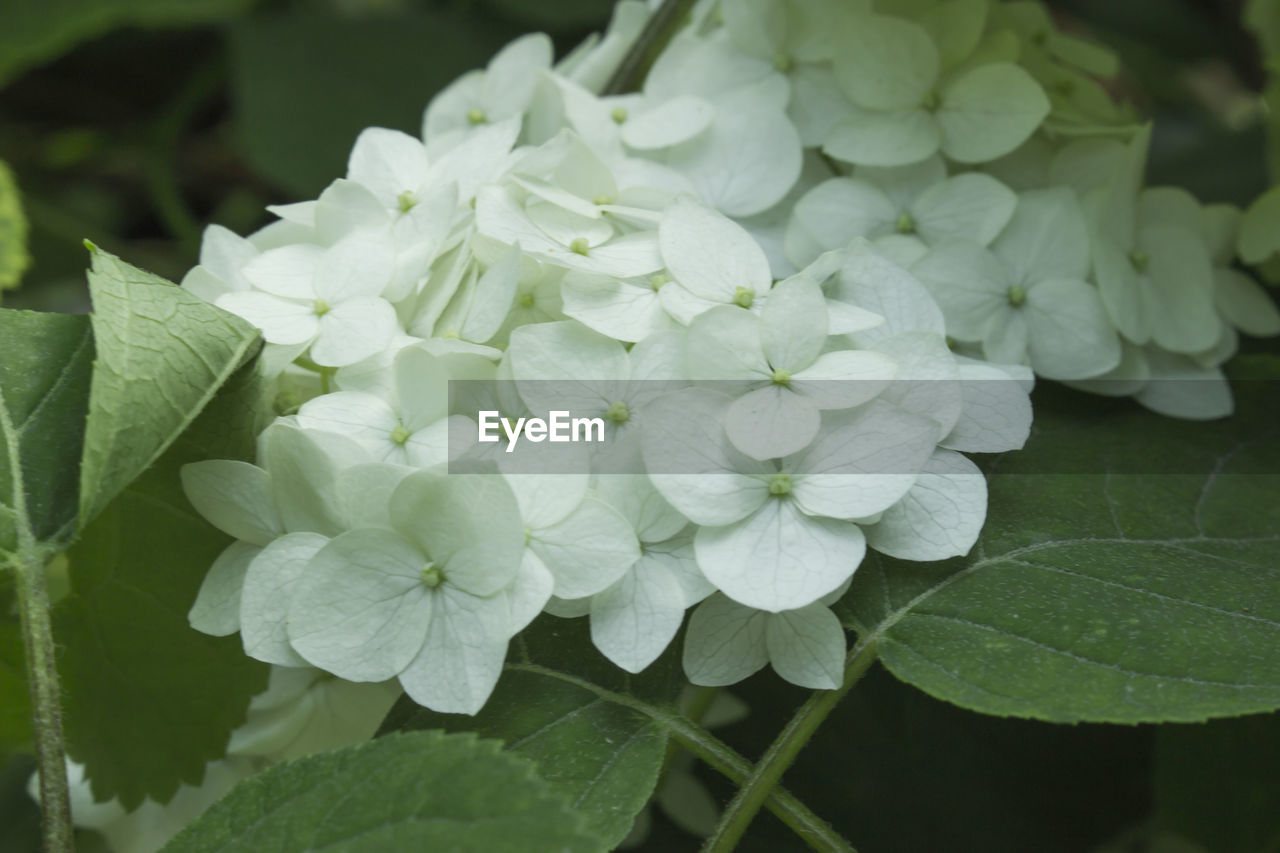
(1046, 238)
(234, 497)
(793, 324)
(832, 214)
(727, 343)
(877, 284)
(940, 517)
(1071, 336)
(545, 499)
(388, 162)
(360, 610)
(216, 609)
(862, 461)
(969, 283)
(353, 331)
(288, 271)
(619, 309)
(845, 378)
(269, 585)
(989, 111)
(997, 412)
(469, 526)
(361, 417)
(358, 266)
(673, 121)
(725, 642)
(874, 138)
(635, 619)
(886, 62)
(461, 660)
(1245, 304)
(807, 647)
(970, 206)
(709, 254)
(530, 592)
(588, 550)
(779, 558)
(281, 321)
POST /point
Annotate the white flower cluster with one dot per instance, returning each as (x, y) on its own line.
(875, 223)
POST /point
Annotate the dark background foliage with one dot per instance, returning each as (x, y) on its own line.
(134, 124)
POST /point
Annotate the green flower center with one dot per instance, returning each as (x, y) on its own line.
(431, 576)
(603, 198)
(286, 403)
(780, 485)
(320, 307)
(619, 115)
(906, 224)
(744, 296)
(477, 116)
(1017, 295)
(1140, 260)
(783, 61)
(657, 281)
(580, 246)
(931, 101)
(526, 299)
(781, 377)
(400, 435)
(619, 413)
(406, 201)
(451, 334)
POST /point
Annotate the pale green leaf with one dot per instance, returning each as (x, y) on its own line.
(161, 356)
(418, 791)
(1129, 572)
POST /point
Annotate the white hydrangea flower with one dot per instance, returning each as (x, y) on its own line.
(501, 91)
(329, 300)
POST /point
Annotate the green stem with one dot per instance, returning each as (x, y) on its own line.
(46, 709)
(662, 25)
(767, 774)
(716, 754)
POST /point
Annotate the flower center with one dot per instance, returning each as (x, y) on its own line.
(619, 115)
(1017, 295)
(580, 246)
(476, 116)
(658, 280)
(603, 198)
(451, 334)
(780, 485)
(320, 307)
(431, 576)
(619, 413)
(286, 403)
(526, 299)
(406, 201)
(931, 101)
(744, 296)
(905, 224)
(781, 377)
(400, 435)
(1140, 260)
(783, 61)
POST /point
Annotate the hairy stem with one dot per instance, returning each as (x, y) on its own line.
(767, 774)
(46, 709)
(662, 25)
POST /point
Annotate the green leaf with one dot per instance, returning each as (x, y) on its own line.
(557, 703)
(149, 700)
(44, 387)
(162, 355)
(1219, 782)
(421, 791)
(305, 86)
(14, 258)
(35, 31)
(15, 711)
(1099, 592)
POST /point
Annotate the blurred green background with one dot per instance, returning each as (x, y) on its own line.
(135, 122)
